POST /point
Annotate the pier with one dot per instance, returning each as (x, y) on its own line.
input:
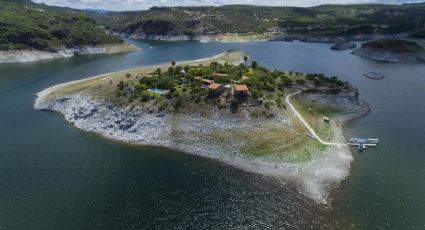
(363, 143)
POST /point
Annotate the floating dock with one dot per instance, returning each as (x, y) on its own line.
(374, 76)
(363, 143)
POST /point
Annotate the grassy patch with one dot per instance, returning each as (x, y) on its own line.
(314, 113)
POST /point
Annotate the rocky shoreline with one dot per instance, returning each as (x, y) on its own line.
(335, 39)
(248, 37)
(21, 56)
(390, 56)
(224, 38)
(186, 133)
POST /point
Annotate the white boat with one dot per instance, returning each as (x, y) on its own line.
(373, 141)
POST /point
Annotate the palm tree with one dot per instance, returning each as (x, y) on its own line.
(245, 59)
(158, 71)
(173, 64)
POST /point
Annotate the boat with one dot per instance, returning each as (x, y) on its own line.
(373, 141)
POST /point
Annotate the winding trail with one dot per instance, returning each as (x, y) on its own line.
(305, 123)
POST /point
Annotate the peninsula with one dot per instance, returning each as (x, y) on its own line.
(32, 32)
(286, 125)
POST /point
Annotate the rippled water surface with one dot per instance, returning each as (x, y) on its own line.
(53, 176)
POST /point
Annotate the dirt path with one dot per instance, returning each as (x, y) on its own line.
(309, 128)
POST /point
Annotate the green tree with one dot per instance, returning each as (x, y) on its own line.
(245, 59)
(177, 70)
(158, 71)
(121, 85)
(170, 71)
(145, 97)
(254, 65)
(300, 81)
(186, 68)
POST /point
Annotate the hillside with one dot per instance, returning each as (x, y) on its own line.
(192, 21)
(325, 20)
(26, 25)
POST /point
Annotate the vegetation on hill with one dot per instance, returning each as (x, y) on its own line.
(216, 85)
(26, 25)
(332, 20)
(418, 34)
(393, 45)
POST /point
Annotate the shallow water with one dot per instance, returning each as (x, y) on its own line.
(55, 176)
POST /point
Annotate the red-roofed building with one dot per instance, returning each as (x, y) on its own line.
(216, 89)
(241, 90)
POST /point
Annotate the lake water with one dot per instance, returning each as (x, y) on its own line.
(53, 176)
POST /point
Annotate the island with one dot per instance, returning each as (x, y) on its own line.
(32, 32)
(285, 125)
(392, 50)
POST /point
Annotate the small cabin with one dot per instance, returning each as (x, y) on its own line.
(216, 89)
(240, 91)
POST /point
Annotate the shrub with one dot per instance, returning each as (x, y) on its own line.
(234, 105)
(145, 97)
(300, 81)
(121, 85)
(178, 102)
(268, 105)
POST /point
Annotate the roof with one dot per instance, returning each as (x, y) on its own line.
(215, 86)
(241, 88)
(220, 75)
(208, 81)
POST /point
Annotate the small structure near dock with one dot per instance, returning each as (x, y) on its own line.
(363, 143)
(326, 119)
